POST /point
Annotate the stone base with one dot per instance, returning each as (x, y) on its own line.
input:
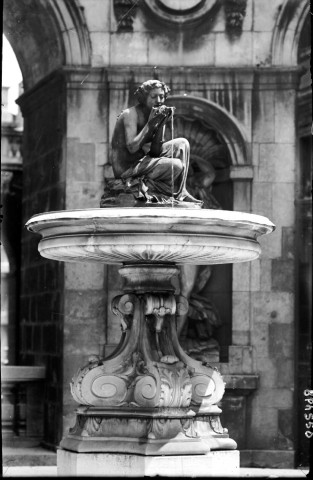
(163, 431)
(217, 463)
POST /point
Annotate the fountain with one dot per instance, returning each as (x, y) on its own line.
(148, 409)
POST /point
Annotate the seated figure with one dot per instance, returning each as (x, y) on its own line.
(146, 167)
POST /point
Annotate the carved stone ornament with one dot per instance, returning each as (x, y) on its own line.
(180, 12)
(125, 11)
(235, 12)
(149, 368)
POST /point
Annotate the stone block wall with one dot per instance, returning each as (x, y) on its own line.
(85, 299)
(272, 313)
(42, 294)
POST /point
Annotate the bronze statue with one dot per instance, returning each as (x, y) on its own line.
(153, 170)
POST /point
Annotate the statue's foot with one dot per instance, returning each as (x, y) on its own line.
(186, 197)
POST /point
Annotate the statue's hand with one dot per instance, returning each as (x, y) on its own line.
(156, 121)
(169, 114)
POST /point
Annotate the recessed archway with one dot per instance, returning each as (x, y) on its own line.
(46, 35)
(287, 31)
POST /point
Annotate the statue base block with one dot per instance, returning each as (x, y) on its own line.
(212, 464)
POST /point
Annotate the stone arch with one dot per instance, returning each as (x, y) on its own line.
(287, 30)
(218, 119)
(46, 35)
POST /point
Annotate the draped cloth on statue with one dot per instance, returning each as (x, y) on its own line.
(154, 179)
(162, 176)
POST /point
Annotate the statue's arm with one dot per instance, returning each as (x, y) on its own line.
(134, 140)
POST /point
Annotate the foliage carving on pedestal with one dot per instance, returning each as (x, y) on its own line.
(149, 369)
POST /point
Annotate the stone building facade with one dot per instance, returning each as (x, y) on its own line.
(238, 73)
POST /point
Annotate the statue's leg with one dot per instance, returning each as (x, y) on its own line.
(180, 148)
(160, 174)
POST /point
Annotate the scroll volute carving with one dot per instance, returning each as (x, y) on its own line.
(123, 307)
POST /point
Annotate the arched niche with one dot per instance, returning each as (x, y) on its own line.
(218, 119)
(236, 165)
(46, 35)
(287, 31)
(216, 140)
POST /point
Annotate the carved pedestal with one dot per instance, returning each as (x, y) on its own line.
(148, 397)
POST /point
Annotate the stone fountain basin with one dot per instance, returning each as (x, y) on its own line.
(150, 235)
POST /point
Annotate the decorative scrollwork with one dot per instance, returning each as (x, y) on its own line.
(123, 307)
(146, 392)
(110, 388)
(202, 389)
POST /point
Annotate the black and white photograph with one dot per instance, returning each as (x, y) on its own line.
(156, 238)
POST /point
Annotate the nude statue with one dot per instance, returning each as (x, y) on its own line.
(144, 164)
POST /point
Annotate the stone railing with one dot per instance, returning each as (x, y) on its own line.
(22, 400)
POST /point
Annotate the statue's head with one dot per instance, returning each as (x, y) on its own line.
(143, 91)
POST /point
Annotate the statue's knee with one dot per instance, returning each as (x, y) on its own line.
(177, 167)
(183, 142)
